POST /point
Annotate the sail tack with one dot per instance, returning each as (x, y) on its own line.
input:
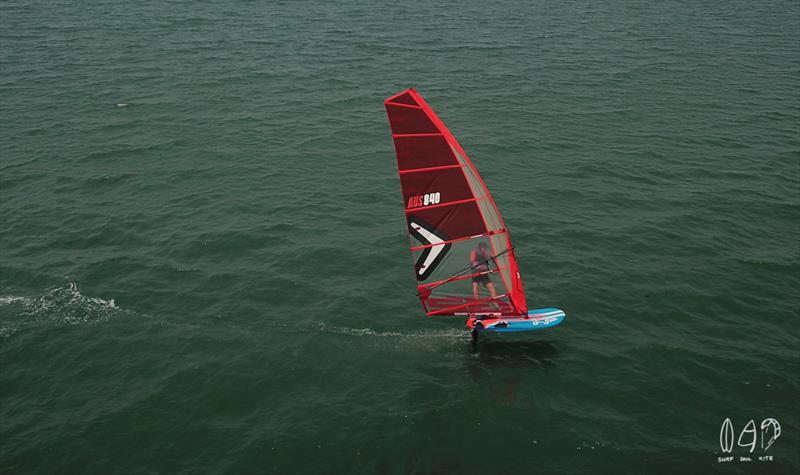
(449, 213)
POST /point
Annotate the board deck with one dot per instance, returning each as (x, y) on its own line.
(538, 319)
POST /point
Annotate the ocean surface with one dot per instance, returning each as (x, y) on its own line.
(219, 180)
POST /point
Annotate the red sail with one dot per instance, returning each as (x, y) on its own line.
(449, 213)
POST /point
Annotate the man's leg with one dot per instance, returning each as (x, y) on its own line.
(475, 290)
(492, 290)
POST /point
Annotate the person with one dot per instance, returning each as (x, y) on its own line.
(479, 260)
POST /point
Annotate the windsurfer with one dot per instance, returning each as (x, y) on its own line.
(479, 259)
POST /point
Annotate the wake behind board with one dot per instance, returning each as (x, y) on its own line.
(538, 319)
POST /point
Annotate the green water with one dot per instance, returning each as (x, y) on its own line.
(245, 299)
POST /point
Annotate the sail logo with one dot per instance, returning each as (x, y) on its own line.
(435, 246)
(748, 437)
(416, 201)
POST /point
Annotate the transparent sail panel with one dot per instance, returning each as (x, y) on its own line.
(467, 280)
(474, 289)
(491, 217)
(493, 221)
(456, 305)
(500, 244)
(455, 261)
(463, 286)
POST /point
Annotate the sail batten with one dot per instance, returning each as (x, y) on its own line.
(490, 233)
(451, 217)
(452, 203)
(429, 169)
(432, 285)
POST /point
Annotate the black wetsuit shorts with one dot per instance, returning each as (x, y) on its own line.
(482, 279)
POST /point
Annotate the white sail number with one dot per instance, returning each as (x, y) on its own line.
(431, 198)
(424, 200)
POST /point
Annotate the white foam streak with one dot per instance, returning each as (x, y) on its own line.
(59, 304)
